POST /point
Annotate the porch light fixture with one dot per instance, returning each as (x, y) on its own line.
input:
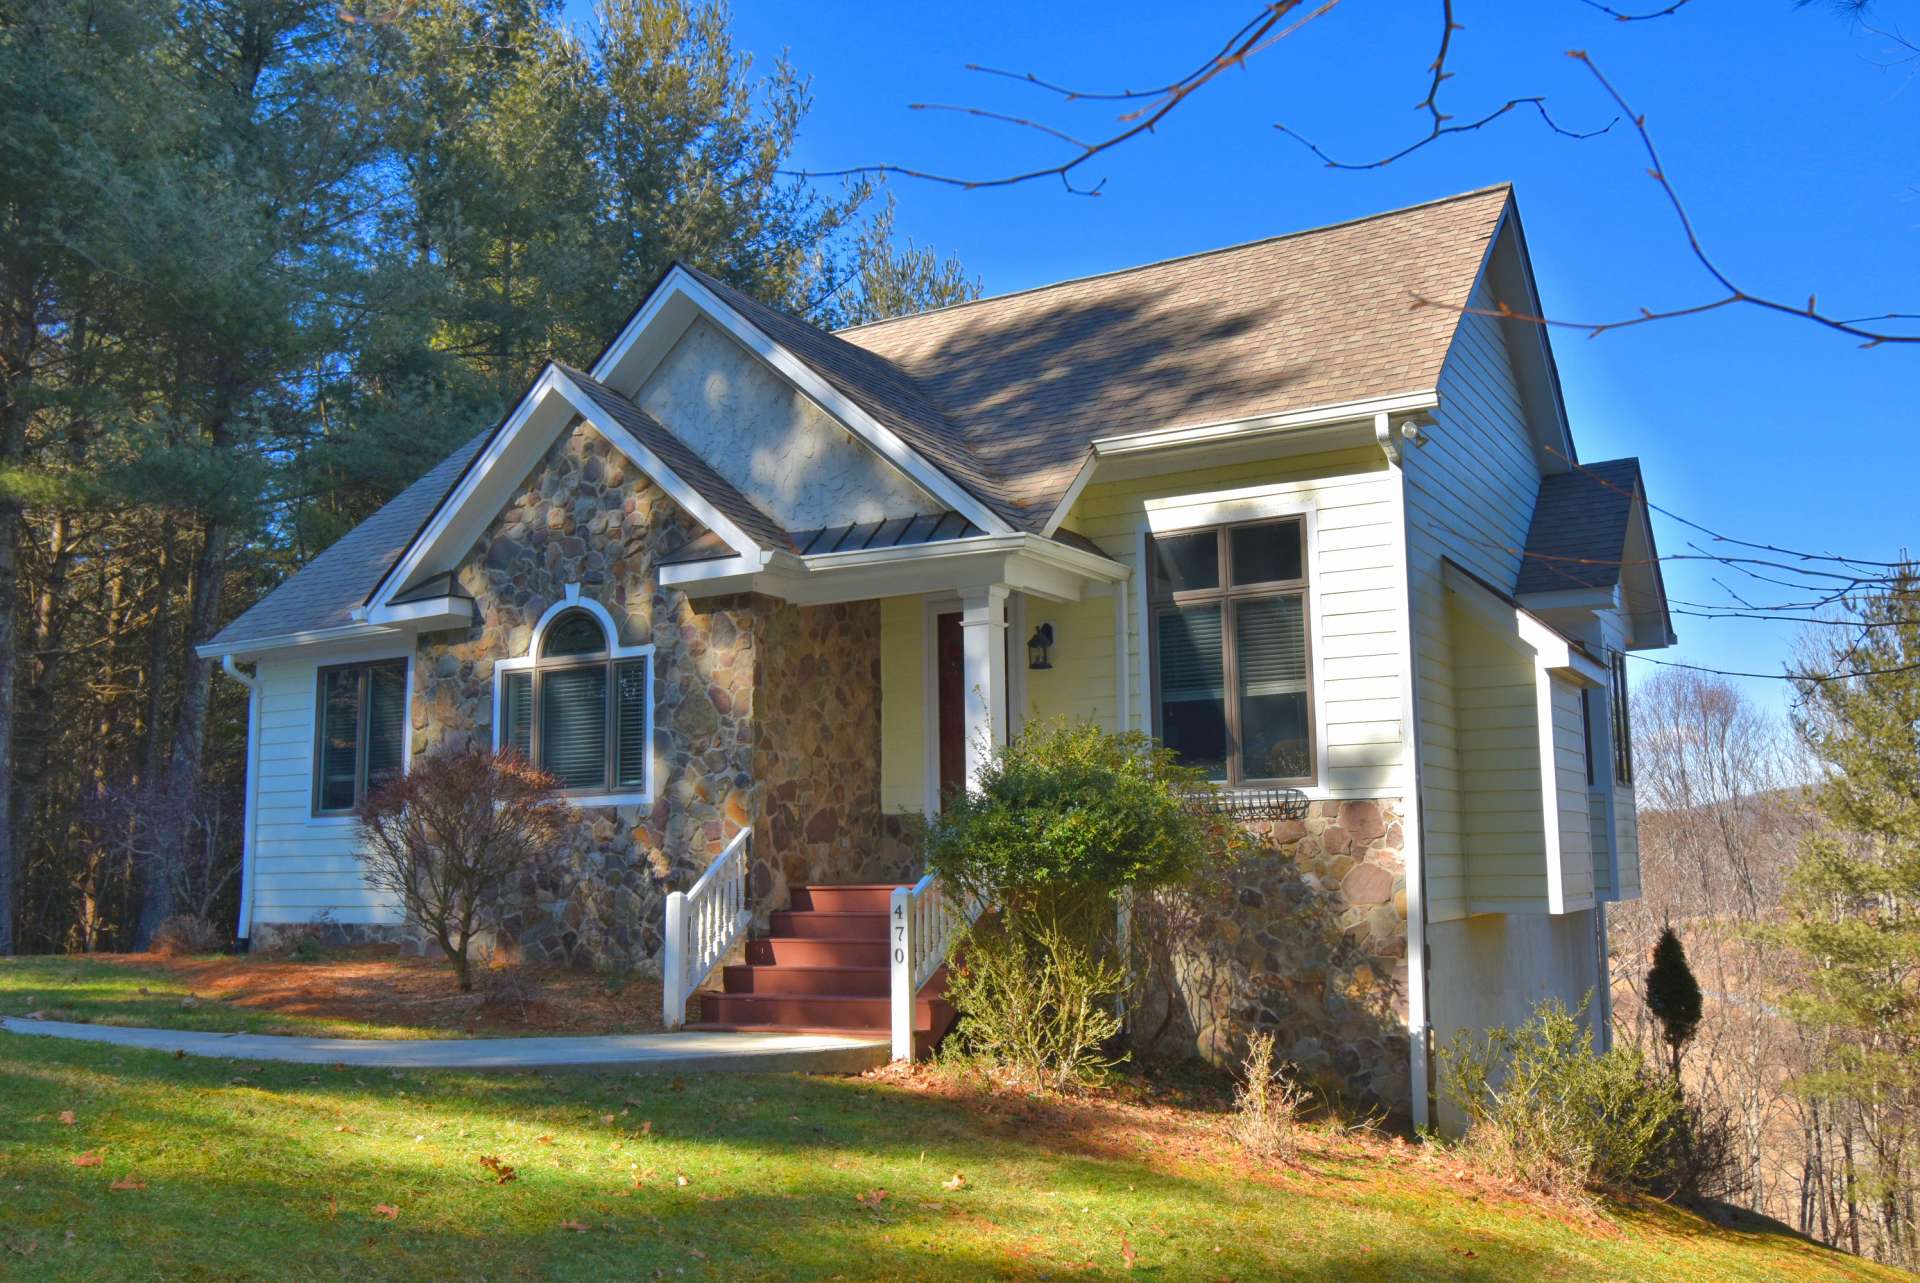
(1038, 645)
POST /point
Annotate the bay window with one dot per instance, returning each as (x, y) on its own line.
(1231, 668)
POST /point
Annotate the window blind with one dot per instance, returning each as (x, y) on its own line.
(1270, 641)
(386, 722)
(339, 738)
(630, 708)
(573, 726)
(516, 713)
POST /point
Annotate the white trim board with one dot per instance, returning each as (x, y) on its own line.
(573, 600)
(549, 406)
(671, 308)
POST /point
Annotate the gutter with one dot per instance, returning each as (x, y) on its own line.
(250, 819)
(1419, 1029)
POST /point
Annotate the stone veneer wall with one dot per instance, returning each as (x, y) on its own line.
(1312, 947)
(586, 515)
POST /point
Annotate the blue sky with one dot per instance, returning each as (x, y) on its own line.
(1788, 131)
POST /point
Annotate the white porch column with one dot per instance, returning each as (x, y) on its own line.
(983, 643)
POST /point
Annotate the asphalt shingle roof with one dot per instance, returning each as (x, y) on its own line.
(1314, 318)
(1579, 531)
(327, 589)
(1004, 395)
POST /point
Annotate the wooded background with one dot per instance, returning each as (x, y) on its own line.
(264, 262)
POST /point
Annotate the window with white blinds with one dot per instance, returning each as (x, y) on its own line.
(578, 709)
(360, 729)
(1232, 668)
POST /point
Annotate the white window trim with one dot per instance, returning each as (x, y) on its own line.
(338, 660)
(1192, 512)
(615, 652)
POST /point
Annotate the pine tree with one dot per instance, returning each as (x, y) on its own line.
(1673, 996)
(1853, 907)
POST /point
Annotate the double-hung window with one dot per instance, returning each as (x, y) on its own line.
(360, 732)
(1233, 678)
(577, 708)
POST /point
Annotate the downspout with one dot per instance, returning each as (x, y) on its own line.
(248, 819)
(1418, 1030)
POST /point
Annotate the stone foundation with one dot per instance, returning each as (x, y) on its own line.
(1309, 943)
(275, 937)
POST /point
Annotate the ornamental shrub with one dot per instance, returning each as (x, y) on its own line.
(1070, 811)
(1545, 1109)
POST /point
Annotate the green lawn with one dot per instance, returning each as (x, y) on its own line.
(232, 1170)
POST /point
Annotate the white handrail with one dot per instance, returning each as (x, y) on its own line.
(703, 925)
(923, 920)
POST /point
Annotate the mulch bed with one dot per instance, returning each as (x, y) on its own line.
(377, 985)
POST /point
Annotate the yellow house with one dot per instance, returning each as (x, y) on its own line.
(1307, 510)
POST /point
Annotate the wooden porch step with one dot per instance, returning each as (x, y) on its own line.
(814, 951)
(828, 924)
(867, 982)
(860, 897)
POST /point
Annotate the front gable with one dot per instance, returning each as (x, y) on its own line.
(764, 436)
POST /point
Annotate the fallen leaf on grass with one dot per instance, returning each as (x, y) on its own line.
(66, 1118)
(179, 1054)
(646, 1128)
(681, 1180)
(871, 1199)
(544, 1140)
(1127, 1254)
(576, 1226)
(346, 1127)
(502, 1172)
(607, 1119)
(127, 1182)
(958, 1182)
(89, 1159)
(387, 1210)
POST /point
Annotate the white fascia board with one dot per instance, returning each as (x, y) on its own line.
(488, 477)
(655, 467)
(478, 474)
(1229, 430)
(254, 646)
(427, 615)
(1551, 651)
(1023, 562)
(681, 288)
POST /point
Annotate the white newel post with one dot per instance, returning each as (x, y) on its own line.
(673, 965)
(983, 649)
(900, 930)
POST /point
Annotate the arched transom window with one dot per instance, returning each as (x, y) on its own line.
(577, 706)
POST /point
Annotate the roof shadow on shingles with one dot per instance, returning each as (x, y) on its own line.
(1312, 318)
(1579, 531)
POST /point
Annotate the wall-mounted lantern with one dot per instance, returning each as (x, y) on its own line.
(1038, 645)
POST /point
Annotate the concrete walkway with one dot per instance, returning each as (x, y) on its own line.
(707, 1053)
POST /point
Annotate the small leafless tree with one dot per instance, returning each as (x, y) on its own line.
(178, 839)
(449, 836)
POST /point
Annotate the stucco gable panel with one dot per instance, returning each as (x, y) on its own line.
(769, 441)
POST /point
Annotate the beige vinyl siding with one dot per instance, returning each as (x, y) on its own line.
(1570, 771)
(1080, 686)
(303, 866)
(903, 697)
(1602, 842)
(1470, 493)
(1496, 799)
(1626, 837)
(1354, 584)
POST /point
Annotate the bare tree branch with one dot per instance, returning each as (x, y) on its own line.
(1618, 16)
(1258, 34)
(1855, 327)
